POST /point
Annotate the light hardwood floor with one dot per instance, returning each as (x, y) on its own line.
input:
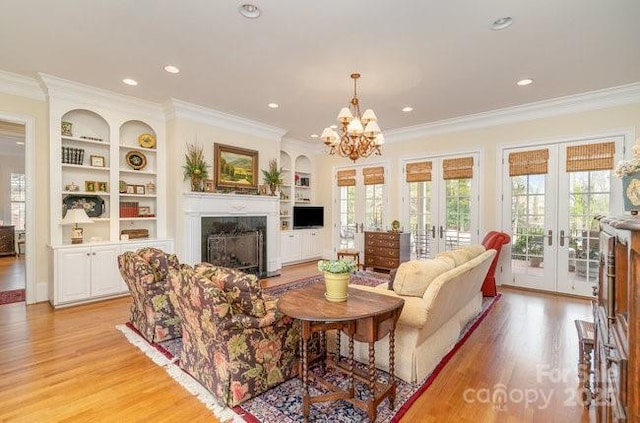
(72, 365)
(12, 272)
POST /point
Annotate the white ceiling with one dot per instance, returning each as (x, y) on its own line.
(438, 56)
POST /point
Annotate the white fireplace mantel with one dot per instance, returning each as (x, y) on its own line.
(197, 205)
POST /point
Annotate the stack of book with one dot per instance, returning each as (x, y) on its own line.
(135, 233)
(129, 209)
(72, 155)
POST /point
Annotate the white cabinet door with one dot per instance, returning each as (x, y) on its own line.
(311, 244)
(105, 278)
(290, 245)
(73, 274)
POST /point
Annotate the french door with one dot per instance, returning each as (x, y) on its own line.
(361, 204)
(551, 195)
(442, 197)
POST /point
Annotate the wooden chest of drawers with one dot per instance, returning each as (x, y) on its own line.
(386, 250)
(7, 240)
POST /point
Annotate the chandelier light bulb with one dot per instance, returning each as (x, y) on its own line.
(355, 127)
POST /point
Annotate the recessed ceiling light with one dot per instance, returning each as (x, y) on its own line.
(407, 109)
(273, 105)
(334, 127)
(20, 142)
(172, 69)
(314, 135)
(524, 82)
(250, 11)
(130, 81)
(502, 23)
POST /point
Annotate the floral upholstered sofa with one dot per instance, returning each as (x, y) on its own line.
(235, 341)
(145, 273)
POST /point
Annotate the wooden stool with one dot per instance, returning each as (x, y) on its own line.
(586, 339)
(350, 252)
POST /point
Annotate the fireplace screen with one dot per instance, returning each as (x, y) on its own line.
(239, 250)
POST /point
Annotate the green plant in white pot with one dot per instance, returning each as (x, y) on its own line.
(336, 278)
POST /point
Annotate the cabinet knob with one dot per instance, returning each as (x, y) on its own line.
(88, 254)
(94, 254)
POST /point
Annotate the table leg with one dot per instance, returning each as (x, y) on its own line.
(306, 333)
(338, 345)
(372, 411)
(351, 384)
(392, 373)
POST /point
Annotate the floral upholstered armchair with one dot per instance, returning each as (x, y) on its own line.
(145, 273)
(235, 341)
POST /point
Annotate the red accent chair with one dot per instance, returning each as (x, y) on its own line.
(493, 240)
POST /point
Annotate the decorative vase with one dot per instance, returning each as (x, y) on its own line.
(196, 184)
(336, 286)
(631, 191)
(272, 188)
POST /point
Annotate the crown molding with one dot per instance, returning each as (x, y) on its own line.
(21, 86)
(178, 109)
(592, 100)
(63, 89)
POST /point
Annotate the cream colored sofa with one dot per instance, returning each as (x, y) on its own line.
(441, 296)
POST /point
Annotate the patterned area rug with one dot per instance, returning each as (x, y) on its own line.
(13, 296)
(284, 403)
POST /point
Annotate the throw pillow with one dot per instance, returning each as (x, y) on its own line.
(414, 277)
(392, 276)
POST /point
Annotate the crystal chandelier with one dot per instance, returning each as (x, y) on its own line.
(359, 136)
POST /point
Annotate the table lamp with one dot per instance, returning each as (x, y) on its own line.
(75, 216)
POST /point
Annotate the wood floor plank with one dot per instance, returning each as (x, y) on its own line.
(72, 365)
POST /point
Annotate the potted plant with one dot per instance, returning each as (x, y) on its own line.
(336, 278)
(535, 252)
(195, 167)
(272, 176)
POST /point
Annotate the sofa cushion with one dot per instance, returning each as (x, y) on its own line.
(474, 250)
(243, 291)
(413, 277)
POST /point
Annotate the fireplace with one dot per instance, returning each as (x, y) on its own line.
(212, 213)
(236, 242)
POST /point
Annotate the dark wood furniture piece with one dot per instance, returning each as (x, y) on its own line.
(386, 250)
(7, 240)
(365, 317)
(617, 322)
(350, 252)
(586, 341)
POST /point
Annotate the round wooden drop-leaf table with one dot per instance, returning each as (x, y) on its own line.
(365, 317)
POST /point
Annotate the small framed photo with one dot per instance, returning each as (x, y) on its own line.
(140, 189)
(131, 189)
(263, 189)
(103, 187)
(209, 185)
(144, 211)
(90, 186)
(97, 161)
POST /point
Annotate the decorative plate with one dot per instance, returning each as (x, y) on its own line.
(136, 160)
(93, 204)
(147, 141)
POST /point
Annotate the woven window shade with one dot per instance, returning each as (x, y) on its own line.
(461, 168)
(346, 178)
(373, 175)
(533, 162)
(419, 172)
(590, 157)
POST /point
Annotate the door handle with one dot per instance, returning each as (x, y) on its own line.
(562, 238)
(433, 232)
(356, 228)
(550, 237)
(441, 231)
(362, 227)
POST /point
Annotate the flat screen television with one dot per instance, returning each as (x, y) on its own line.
(308, 217)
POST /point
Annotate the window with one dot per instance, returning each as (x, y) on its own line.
(17, 198)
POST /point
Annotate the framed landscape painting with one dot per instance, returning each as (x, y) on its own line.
(235, 167)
